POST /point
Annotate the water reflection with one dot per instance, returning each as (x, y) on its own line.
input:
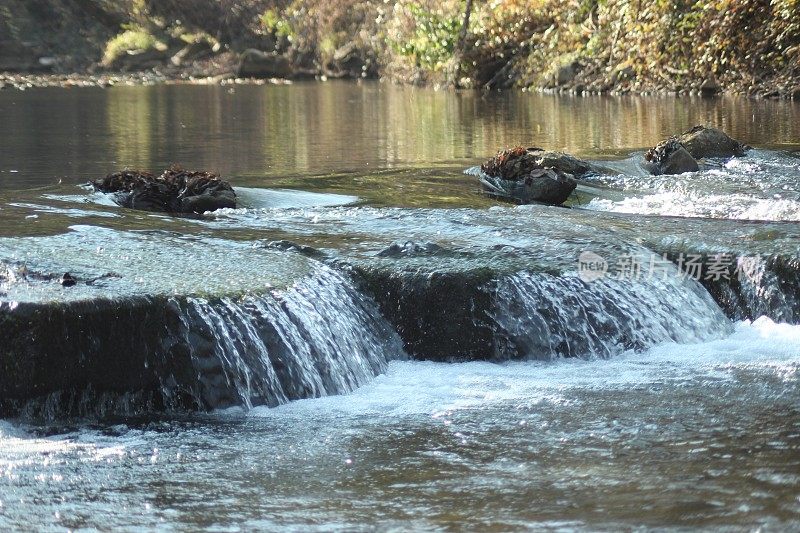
(260, 133)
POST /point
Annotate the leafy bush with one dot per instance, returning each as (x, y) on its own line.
(433, 39)
(132, 38)
(273, 23)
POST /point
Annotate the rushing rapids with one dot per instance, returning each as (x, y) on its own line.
(318, 338)
(247, 324)
(545, 316)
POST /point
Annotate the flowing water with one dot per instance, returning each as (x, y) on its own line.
(619, 403)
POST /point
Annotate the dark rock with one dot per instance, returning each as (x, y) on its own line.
(670, 157)
(175, 191)
(291, 246)
(532, 175)
(203, 192)
(257, 64)
(192, 52)
(440, 316)
(753, 286)
(152, 196)
(566, 73)
(67, 280)
(544, 185)
(681, 154)
(105, 345)
(710, 86)
(704, 141)
(411, 249)
(517, 163)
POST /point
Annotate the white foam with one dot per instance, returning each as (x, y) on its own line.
(20, 450)
(414, 387)
(760, 186)
(683, 204)
(8, 431)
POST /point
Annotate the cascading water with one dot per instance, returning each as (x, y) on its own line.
(318, 338)
(762, 286)
(541, 316)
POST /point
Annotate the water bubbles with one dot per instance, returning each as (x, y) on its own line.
(542, 316)
(317, 338)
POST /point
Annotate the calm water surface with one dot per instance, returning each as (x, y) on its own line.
(691, 436)
(307, 133)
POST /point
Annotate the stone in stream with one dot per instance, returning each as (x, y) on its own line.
(175, 191)
(159, 321)
(670, 157)
(677, 155)
(526, 175)
(703, 141)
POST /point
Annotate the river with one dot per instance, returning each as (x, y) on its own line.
(620, 405)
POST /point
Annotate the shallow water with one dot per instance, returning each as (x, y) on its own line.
(760, 186)
(700, 437)
(703, 434)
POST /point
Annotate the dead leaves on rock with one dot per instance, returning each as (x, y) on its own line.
(169, 191)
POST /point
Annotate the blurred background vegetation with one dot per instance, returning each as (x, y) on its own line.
(748, 46)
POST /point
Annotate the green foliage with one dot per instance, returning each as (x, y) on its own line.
(132, 38)
(272, 22)
(657, 44)
(433, 40)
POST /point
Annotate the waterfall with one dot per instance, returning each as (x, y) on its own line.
(318, 338)
(128, 356)
(760, 286)
(541, 316)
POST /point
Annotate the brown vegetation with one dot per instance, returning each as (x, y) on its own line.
(745, 46)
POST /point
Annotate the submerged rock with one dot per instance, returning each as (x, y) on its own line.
(175, 191)
(491, 313)
(411, 249)
(746, 286)
(169, 333)
(528, 175)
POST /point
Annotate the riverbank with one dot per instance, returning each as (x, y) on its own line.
(749, 48)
